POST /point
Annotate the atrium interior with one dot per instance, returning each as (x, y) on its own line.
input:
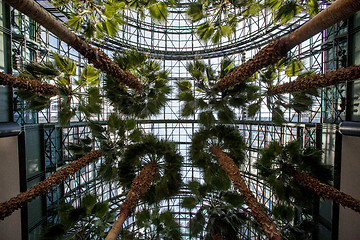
(165, 105)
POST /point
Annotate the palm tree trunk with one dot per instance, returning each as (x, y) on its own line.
(28, 85)
(264, 222)
(272, 53)
(336, 12)
(8, 207)
(323, 190)
(139, 187)
(318, 81)
(94, 55)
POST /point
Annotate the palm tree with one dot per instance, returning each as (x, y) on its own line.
(70, 89)
(220, 17)
(95, 56)
(113, 140)
(219, 213)
(323, 190)
(317, 81)
(159, 179)
(153, 224)
(290, 167)
(284, 11)
(199, 99)
(93, 19)
(87, 221)
(276, 50)
(33, 86)
(296, 222)
(39, 73)
(96, 19)
(14, 203)
(264, 222)
(294, 208)
(208, 143)
(299, 101)
(154, 81)
(158, 10)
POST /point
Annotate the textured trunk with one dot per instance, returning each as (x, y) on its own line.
(94, 55)
(8, 207)
(264, 222)
(28, 85)
(139, 187)
(116, 228)
(339, 10)
(318, 81)
(323, 190)
(270, 54)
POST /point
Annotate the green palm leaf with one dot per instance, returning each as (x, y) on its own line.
(159, 11)
(155, 88)
(195, 11)
(313, 7)
(287, 12)
(205, 31)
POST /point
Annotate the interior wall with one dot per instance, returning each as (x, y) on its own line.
(325, 205)
(10, 228)
(349, 220)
